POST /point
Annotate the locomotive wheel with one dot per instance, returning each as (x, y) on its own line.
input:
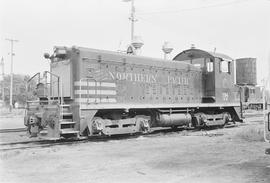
(96, 126)
(143, 125)
(199, 120)
(146, 127)
(227, 118)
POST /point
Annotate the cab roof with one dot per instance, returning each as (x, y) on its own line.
(197, 53)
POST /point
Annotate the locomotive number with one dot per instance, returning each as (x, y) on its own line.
(225, 96)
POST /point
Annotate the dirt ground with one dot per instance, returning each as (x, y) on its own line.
(221, 155)
(10, 120)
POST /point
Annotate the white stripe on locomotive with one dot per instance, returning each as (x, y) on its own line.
(96, 100)
(91, 83)
(97, 92)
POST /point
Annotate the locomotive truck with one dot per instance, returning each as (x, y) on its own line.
(90, 92)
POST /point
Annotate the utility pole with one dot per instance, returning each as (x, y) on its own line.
(3, 74)
(132, 18)
(11, 72)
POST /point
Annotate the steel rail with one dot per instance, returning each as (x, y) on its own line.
(10, 130)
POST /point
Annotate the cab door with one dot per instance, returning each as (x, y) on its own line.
(63, 70)
(209, 81)
(210, 78)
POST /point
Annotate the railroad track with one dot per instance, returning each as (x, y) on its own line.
(12, 130)
(33, 144)
(158, 132)
(248, 115)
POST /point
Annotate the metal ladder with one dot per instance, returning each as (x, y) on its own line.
(67, 126)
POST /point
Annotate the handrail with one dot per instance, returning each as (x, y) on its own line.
(268, 120)
(267, 127)
(29, 80)
(37, 74)
(49, 85)
(59, 96)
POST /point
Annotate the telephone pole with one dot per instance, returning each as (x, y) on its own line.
(11, 72)
(132, 18)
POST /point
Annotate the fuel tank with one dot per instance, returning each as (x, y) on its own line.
(178, 119)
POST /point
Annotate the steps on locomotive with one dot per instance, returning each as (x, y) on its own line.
(67, 125)
(67, 100)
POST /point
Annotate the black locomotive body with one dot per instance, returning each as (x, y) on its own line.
(94, 92)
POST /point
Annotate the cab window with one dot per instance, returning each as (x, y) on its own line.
(210, 66)
(225, 66)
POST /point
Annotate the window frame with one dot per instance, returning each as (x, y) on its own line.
(225, 68)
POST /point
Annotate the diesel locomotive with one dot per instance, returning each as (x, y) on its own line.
(90, 92)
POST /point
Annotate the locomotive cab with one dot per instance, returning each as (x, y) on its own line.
(217, 72)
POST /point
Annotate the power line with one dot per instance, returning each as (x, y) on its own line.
(192, 9)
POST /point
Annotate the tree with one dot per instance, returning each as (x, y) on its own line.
(20, 93)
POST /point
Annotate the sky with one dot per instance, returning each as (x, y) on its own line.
(237, 28)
